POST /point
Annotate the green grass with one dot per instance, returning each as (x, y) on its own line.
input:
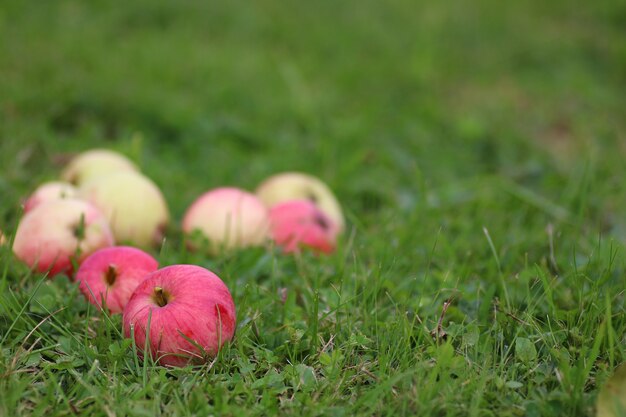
(477, 148)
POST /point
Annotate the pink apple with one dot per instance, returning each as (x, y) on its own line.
(300, 186)
(191, 315)
(229, 218)
(49, 191)
(53, 234)
(299, 223)
(110, 275)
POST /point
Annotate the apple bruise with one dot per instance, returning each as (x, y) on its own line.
(160, 297)
(224, 320)
(73, 179)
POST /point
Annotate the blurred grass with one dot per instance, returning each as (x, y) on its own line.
(476, 147)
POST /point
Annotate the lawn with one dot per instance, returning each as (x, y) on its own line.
(477, 149)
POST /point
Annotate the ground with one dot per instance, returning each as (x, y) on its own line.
(478, 151)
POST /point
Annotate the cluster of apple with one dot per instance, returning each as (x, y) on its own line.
(71, 225)
(295, 210)
(188, 309)
(102, 198)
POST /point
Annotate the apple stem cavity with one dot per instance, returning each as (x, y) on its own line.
(160, 297)
(110, 275)
(321, 221)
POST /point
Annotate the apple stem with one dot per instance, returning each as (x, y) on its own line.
(110, 275)
(160, 297)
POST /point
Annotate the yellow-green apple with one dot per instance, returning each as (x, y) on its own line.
(133, 204)
(49, 191)
(299, 186)
(95, 163)
(109, 276)
(299, 223)
(229, 218)
(190, 313)
(611, 401)
(54, 234)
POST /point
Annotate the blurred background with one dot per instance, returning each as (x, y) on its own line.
(392, 103)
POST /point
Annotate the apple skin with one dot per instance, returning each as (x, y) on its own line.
(299, 223)
(299, 186)
(95, 163)
(134, 205)
(46, 236)
(49, 191)
(229, 218)
(125, 266)
(197, 303)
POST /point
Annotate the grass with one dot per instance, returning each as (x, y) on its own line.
(477, 149)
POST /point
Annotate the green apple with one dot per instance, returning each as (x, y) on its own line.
(611, 400)
(288, 186)
(94, 163)
(133, 204)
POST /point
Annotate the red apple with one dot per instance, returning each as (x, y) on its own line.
(299, 223)
(191, 315)
(110, 275)
(229, 218)
(50, 191)
(53, 234)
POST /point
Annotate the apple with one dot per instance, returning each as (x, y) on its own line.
(229, 218)
(133, 204)
(95, 163)
(109, 276)
(49, 191)
(190, 312)
(611, 401)
(53, 234)
(300, 223)
(299, 186)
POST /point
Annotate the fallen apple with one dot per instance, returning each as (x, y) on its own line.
(299, 223)
(95, 163)
(53, 234)
(133, 204)
(611, 401)
(229, 218)
(109, 276)
(180, 314)
(299, 186)
(49, 191)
